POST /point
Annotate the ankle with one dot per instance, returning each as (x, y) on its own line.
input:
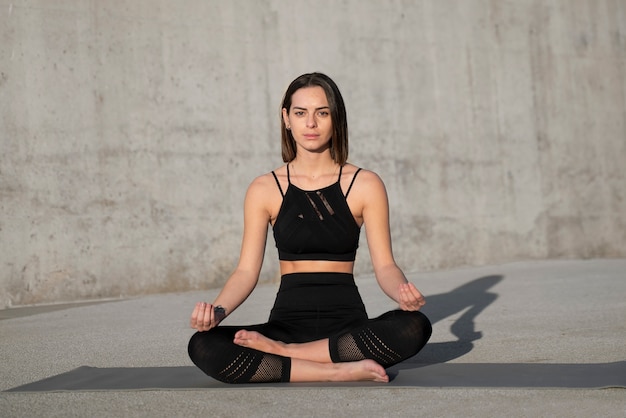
(287, 349)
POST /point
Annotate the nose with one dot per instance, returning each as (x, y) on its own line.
(310, 121)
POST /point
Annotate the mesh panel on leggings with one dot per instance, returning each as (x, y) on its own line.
(255, 367)
(365, 345)
(270, 370)
(388, 339)
(237, 369)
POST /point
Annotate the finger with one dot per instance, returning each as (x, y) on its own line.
(414, 293)
(207, 317)
(407, 301)
(194, 315)
(411, 298)
(417, 294)
(201, 316)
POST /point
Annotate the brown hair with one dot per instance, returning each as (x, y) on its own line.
(339, 139)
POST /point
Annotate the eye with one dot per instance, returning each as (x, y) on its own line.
(298, 113)
(323, 113)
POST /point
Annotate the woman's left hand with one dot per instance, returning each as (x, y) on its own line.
(410, 298)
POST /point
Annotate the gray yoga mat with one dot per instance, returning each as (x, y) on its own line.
(515, 375)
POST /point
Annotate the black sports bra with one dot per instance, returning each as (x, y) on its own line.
(317, 224)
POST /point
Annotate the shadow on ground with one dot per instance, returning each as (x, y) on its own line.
(471, 298)
(428, 369)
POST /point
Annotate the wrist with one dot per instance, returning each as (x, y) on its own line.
(219, 313)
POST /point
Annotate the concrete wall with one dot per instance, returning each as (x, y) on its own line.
(130, 129)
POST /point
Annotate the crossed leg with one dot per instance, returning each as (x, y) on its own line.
(257, 354)
(311, 362)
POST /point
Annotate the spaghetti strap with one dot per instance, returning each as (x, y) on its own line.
(288, 175)
(352, 182)
(278, 184)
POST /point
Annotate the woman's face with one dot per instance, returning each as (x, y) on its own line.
(309, 119)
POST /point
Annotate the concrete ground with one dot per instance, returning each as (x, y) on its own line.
(529, 312)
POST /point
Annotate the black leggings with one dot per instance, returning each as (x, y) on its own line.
(311, 307)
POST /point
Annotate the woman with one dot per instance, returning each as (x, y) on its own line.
(318, 329)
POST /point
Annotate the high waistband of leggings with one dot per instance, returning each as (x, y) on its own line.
(291, 280)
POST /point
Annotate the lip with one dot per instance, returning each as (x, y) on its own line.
(311, 136)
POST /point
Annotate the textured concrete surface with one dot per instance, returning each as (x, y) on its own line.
(530, 313)
(130, 129)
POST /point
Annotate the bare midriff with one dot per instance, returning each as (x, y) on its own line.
(316, 266)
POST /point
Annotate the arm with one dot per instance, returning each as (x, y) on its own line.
(243, 280)
(375, 214)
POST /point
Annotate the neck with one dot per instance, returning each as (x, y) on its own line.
(313, 168)
(310, 176)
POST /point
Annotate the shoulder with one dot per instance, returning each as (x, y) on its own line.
(368, 194)
(363, 179)
(263, 184)
(263, 197)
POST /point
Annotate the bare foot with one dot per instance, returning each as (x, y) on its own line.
(256, 341)
(364, 370)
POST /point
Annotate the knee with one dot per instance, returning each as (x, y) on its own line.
(195, 346)
(203, 352)
(424, 325)
(417, 330)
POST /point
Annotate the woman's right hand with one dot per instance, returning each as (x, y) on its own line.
(206, 316)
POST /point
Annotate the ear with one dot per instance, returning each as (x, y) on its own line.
(286, 118)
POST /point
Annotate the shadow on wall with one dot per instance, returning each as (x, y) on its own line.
(474, 295)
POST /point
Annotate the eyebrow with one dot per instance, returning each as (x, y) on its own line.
(304, 108)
